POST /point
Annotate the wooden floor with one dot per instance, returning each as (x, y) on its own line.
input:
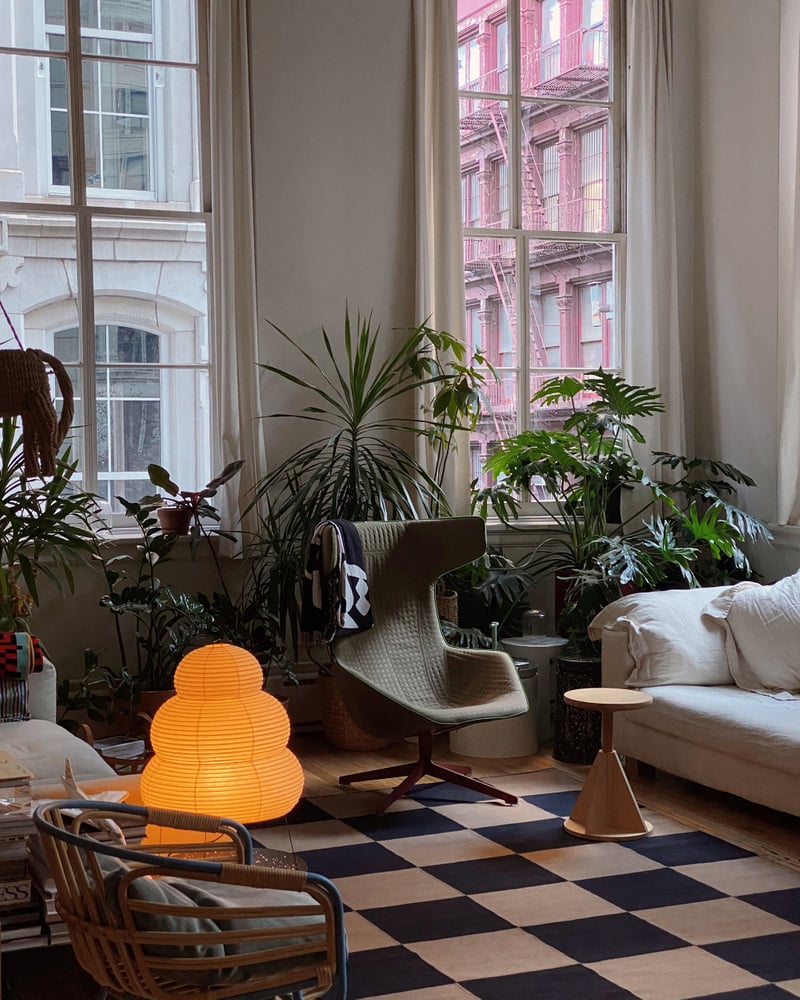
(773, 834)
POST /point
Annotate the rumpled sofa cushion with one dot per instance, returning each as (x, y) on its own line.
(668, 638)
(43, 746)
(761, 629)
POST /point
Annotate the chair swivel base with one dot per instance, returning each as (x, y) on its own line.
(458, 774)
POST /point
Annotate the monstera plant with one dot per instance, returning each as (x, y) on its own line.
(619, 524)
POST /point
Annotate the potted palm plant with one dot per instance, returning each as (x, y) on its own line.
(361, 467)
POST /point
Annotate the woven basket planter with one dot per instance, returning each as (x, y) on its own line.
(447, 605)
(338, 726)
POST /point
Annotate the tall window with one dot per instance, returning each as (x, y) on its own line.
(102, 201)
(549, 248)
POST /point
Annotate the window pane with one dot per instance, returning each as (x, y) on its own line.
(127, 15)
(572, 305)
(40, 297)
(484, 153)
(564, 50)
(167, 28)
(565, 167)
(491, 288)
(151, 344)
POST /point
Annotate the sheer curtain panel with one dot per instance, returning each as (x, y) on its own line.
(652, 343)
(437, 169)
(233, 283)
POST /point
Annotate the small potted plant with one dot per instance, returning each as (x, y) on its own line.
(182, 511)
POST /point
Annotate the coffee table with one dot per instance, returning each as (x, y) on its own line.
(606, 808)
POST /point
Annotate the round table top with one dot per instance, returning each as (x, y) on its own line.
(608, 699)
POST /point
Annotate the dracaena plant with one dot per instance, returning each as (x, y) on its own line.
(360, 465)
(47, 527)
(681, 529)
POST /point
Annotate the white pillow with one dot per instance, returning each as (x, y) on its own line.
(761, 628)
(668, 639)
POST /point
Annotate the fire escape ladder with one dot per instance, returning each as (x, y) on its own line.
(532, 180)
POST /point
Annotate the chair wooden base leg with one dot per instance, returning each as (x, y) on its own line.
(458, 774)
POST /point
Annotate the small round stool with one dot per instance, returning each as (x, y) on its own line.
(606, 808)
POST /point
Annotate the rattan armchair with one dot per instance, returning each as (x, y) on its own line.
(155, 925)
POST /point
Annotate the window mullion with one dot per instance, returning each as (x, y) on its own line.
(516, 181)
(84, 254)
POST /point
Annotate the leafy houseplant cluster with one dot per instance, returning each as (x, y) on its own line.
(618, 525)
(47, 527)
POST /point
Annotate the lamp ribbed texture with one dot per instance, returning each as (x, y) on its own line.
(221, 743)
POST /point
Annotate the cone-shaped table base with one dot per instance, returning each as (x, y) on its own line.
(606, 808)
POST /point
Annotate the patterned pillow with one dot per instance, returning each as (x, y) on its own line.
(20, 655)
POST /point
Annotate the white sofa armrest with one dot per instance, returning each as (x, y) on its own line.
(616, 662)
(42, 700)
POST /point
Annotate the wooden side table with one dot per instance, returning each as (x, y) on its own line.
(606, 808)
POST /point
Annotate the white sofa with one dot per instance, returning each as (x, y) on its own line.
(688, 649)
(42, 746)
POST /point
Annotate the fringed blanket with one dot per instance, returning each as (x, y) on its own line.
(335, 598)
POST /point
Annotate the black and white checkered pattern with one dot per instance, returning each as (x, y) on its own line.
(451, 897)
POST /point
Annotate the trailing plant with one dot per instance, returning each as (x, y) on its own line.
(156, 624)
(684, 530)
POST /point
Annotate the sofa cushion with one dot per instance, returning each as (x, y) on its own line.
(668, 639)
(741, 724)
(761, 629)
(43, 746)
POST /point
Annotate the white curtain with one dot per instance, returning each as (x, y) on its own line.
(439, 244)
(233, 280)
(652, 344)
(789, 267)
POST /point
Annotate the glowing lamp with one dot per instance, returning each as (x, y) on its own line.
(221, 742)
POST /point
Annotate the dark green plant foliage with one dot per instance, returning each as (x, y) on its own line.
(683, 531)
(98, 694)
(47, 527)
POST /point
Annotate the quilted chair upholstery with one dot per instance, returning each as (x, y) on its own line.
(399, 678)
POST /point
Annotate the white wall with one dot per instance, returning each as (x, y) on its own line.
(736, 239)
(333, 172)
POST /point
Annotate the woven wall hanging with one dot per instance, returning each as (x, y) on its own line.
(25, 393)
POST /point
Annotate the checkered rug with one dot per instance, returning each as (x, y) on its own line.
(451, 897)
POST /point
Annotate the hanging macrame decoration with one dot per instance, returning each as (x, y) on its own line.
(25, 393)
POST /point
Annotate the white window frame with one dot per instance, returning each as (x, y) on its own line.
(614, 234)
(85, 209)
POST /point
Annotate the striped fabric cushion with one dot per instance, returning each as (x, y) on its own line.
(20, 655)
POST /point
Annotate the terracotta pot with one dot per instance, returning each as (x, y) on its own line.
(174, 519)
